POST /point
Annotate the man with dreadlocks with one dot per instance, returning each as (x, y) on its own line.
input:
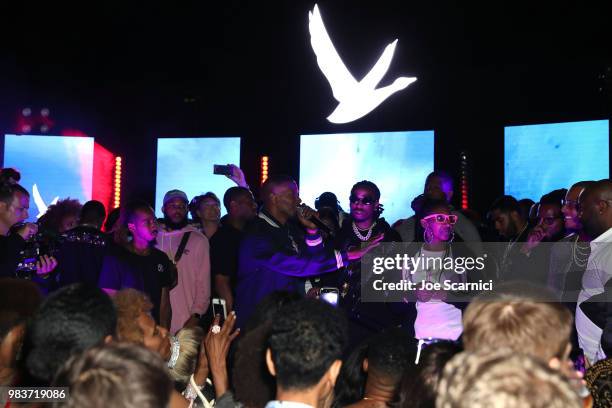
(364, 224)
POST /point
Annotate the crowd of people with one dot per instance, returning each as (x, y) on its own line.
(265, 306)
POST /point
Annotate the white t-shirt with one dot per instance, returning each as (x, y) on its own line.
(435, 318)
(597, 273)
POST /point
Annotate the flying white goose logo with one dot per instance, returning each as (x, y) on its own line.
(356, 99)
(40, 203)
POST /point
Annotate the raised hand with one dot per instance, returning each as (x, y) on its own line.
(45, 265)
(304, 214)
(536, 235)
(358, 253)
(237, 176)
(217, 344)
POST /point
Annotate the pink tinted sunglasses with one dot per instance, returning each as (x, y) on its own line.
(442, 218)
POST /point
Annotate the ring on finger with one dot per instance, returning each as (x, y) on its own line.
(215, 329)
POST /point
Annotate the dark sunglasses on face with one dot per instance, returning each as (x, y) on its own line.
(442, 218)
(365, 200)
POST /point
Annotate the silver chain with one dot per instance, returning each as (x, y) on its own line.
(579, 255)
(358, 233)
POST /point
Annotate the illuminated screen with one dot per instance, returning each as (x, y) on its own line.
(542, 158)
(397, 162)
(187, 164)
(58, 166)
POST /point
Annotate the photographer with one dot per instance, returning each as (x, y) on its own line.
(14, 205)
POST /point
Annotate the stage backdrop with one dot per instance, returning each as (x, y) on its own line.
(187, 164)
(542, 158)
(51, 167)
(397, 162)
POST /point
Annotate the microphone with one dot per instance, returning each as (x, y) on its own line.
(320, 224)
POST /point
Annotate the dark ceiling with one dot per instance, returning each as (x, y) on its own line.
(128, 72)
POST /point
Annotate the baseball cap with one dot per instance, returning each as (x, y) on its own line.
(172, 194)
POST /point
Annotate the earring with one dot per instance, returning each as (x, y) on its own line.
(451, 237)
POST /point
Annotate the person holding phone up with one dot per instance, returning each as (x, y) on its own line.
(225, 243)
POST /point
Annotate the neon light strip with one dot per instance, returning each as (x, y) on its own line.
(264, 168)
(117, 201)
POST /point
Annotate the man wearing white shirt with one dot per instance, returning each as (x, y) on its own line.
(595, 212)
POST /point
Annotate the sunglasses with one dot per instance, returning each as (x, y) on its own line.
(569, 203)
(442, 218)
(365, 200)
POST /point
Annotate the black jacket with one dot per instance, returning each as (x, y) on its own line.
(277, 257)
(80, 256)
(365, 318)
(10, 247)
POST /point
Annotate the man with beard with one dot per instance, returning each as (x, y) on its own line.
(277, 254)
(189, 250)
(363, 225)
(505, 215)
(550, 228)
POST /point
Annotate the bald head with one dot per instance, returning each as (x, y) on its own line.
(439, 185)
(272, 185)
(280, 197)
(595, 208)
(601, 189)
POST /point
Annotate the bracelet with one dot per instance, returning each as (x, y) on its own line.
(192, 391)
(199, 392)
(189, 393)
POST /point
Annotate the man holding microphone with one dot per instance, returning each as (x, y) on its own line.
(277, 253)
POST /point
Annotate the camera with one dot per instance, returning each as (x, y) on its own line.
(39, 245)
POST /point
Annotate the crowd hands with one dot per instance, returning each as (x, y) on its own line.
(155, 339)
(292, 352)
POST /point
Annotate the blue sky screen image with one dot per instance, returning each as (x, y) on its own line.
(542, 158)
(187, 164)
(58, 166)
(397, 162)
